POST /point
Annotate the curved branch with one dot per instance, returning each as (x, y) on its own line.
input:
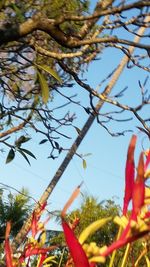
(18, 127)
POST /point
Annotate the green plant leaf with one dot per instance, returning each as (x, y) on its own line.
(44, 87)
(43, 141)
(50, 71)
(84, 164)
(27, 152)
(9, 120)
(10, 156)
(18, 12)
(78, 130)
(56, 144)
(87, 154)
(24, 155)
(21, 139)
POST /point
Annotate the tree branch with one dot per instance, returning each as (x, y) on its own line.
(52, 27)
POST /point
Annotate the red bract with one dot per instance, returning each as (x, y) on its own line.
(147, 161)
(70, 200)
(30, 250)
(34, 224)
(77, 253)
(138, 194)
(8, 254)
(42, 258)
(129, 174)
(35, 218)
(122, 242)
(7, 247)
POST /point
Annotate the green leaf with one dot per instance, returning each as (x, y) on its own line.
(56, 144)
(10, 156)
(78, 130)
(21, 139)
(24, 155)
(44, 87)
(27, 152)
(50, 71)
(43, 141)
(84, 164)
(9, 120)
(87, 154)
(18, 12)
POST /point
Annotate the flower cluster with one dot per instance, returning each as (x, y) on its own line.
(33, 246)
(134, 223)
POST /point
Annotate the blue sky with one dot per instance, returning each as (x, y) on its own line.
(104, 175)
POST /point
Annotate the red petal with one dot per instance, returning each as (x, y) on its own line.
(77, 253)
(122, 242)
(35, 218)
(8, 254)
(138, 189)
(37, 251)
(42, 258)
(71, 199)
(147, 161)
(129, 174)
(34, 224)
(7, 247)
(8, 228)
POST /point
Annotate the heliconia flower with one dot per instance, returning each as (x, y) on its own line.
(7, 247)
(92, 228)
(138, 194)
(34, 224)
(31, 250)
(77, 253)
(129, 174)
(35, 219)
(122, 242)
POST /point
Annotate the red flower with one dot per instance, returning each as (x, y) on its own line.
(138, 194)
(35, 219)
(77, 253)
(122, 242)
(7, 247)
(129, 174)
(31, 250)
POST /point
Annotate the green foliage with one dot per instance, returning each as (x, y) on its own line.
(50, 71)
(71, 7)
(14, 208)
(91, 211)
(10, 156)
(55, 8)
(22, 139)
(84, 164)
(44, 87)
(18, 148)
